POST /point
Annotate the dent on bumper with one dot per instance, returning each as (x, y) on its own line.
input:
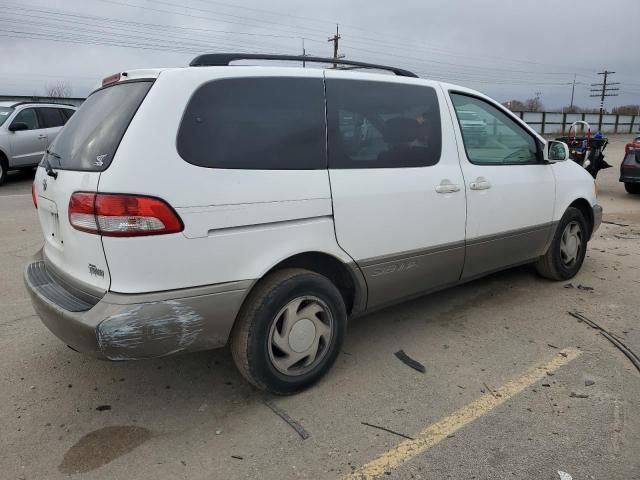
(127, 327)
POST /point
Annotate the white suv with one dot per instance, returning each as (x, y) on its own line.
(189, 208)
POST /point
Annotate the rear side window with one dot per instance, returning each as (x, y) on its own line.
(28, 117)
(382, 125)
(50, 117)
(66, 113)
(90, 138)
(271, 123)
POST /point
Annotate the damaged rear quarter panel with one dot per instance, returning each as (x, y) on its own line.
(164, 327)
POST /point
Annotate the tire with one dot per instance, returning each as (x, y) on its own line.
(4, 168)
(562, 261)
(282, 320)
(633, 188)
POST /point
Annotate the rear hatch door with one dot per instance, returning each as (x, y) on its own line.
(82, 150)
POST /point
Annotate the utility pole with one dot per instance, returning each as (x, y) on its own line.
(335, 39)
(304, 54)
(604, 90)
(573, 89)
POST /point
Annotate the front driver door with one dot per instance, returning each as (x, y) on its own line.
(397, 187)
(510, 189)
(27, 146)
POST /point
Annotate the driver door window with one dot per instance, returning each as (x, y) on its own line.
(28, 117)
(490, 136)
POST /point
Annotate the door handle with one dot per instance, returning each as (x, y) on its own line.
(447, 187)
(481, 183)
(42, 136)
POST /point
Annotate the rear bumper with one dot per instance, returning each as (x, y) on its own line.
(128, 327)
(597, 218)
(630, 179)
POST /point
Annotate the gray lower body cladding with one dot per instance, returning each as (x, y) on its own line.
(126, 327)
(392, 278)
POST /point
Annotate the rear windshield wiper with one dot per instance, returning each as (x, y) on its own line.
(47, 165)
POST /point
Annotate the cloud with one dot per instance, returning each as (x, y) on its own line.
(506, 49)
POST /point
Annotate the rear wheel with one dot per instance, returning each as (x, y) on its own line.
(632, 188)
(568, 248)
(4, 167)
(289, 332)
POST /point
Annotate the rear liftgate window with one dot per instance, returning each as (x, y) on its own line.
(382, 125)
(90, 138)
(272, 123)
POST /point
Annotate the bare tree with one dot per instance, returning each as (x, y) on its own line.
(571, 109)
(626, 110)
(515, 105)
(58, 90)
(533, 104)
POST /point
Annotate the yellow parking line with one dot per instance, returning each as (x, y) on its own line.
(436, 432)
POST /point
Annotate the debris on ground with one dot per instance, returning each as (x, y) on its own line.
(584, 287)
(569, 285)
(285, 416)
(550, 345)
(588, 383)
(237, 457)
(628, 237)
(609, 336)
(219, 431)
(387, 430)
(578, 395)
(410, 362)
(102, 408)
(614, 223)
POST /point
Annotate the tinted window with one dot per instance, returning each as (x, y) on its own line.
(50, 117)
(90, 138)
(27, 116)
(382, 125)
(5, 112)
(255, 123)
(490, 136)
(66, 113)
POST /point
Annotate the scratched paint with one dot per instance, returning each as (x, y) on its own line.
(150, 330)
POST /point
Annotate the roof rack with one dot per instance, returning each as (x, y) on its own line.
(37, 102)
(224, 59)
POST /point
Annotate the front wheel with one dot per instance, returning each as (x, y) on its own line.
(633, 188)
(289, 331)
(568, 248)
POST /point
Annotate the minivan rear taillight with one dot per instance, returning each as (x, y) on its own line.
(122, 215)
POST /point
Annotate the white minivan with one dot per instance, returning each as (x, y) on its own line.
(185, 209)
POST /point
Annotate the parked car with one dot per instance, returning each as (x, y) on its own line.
(26, 128)
(186, 209)
(633, 145)
(630, 170)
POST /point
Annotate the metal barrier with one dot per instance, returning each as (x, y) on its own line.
(554, 122)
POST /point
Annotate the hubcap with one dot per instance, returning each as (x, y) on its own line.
(571, 244)
(300, 335)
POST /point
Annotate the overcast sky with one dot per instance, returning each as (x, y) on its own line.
(509, 49)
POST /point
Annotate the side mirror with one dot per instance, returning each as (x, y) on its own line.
(557, 151)
(18, 127)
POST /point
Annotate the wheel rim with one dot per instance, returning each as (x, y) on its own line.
(571, 244)
(300, 335)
